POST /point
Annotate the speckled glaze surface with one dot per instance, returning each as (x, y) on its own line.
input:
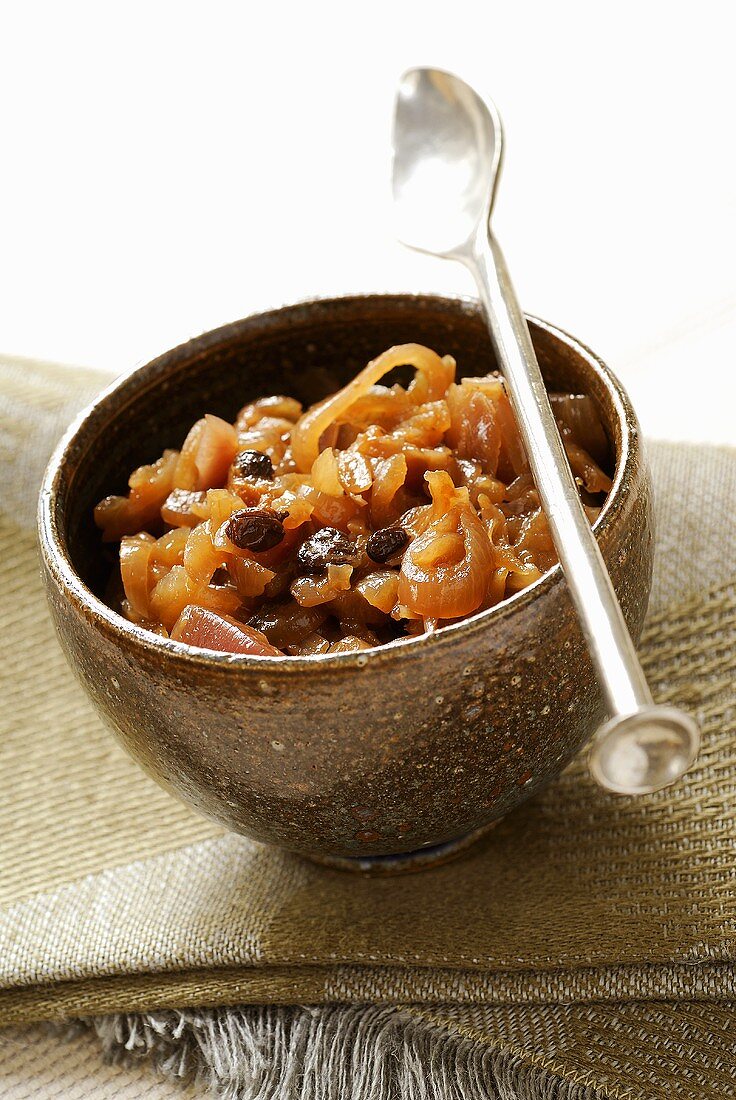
(376, 753)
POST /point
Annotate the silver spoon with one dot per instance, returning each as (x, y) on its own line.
(447, 157)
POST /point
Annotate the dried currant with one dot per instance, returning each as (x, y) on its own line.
(253, 464)
(387, 542)
(326, 547)
(255, 530)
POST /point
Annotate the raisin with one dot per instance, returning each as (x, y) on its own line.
(326, 547)
(253, 464)
(256, 531)
(383, 544)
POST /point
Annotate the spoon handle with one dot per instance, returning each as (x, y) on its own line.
(620, 674)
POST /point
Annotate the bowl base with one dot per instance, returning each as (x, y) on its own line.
(405, 863)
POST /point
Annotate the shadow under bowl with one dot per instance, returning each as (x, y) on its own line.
(377, 753)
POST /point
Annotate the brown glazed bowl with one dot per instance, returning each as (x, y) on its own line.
(404, 748)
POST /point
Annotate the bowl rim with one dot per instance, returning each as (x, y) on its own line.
(58, 565)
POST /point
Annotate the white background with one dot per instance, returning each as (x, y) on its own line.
(167, 167)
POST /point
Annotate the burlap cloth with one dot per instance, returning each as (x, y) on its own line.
(585, 950)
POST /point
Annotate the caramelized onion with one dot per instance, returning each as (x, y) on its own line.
(312, 644)
(389, 478)
(135, 557)
(199, 627)
(320, 533)
(354, 471)
(178, 507)
(217, 445)
(308, 431)
(169, 549)
(250, 577)
(349, 644)
(474, 426)
(325, 477)
(270, 436)
(177, 589)
(453, 587)
(578, 420)
(149, 488)
(310, 591)
(287, 624)
(283, 408)
(380, 589)
(585, 468)
(202, 557)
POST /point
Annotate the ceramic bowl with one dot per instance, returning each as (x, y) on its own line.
(407, 748)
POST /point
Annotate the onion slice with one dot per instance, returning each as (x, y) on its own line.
(309, 429)
(453, 586)
(199, 627)
(135, 559)
(578, 419)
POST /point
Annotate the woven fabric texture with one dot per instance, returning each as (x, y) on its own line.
(115, 898)
(37, 1063)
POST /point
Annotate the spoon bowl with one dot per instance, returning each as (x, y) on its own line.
(447, 157)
